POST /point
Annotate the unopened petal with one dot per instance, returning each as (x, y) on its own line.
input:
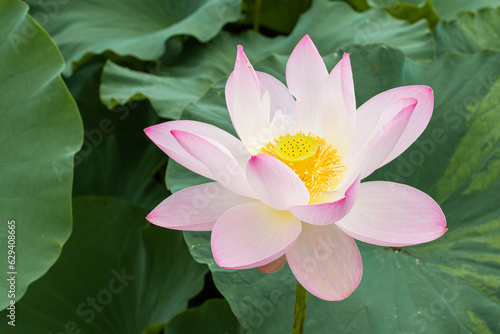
(326, 261)
(393, 214)
(253, 234)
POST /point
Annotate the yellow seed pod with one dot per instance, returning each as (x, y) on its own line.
(299, 150)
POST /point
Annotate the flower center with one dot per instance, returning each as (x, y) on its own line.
(299, 150)
(311, 157)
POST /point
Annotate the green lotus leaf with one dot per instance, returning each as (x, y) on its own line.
(117, 159)
(410, 10)
(330, 24)
(289, 12)
(127, 27)
(40, 132)
(448, 9)
(389, 3)
(213, 317)
(469, 32)
(116, 274)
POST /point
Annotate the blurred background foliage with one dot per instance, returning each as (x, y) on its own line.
(80, 80)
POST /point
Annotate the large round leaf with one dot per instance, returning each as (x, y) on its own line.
(449, 285)
(213, 317)
(448, 9)
(330, 24)
(412, 10)
(409, 10)
(117, 159)
(40, 132)
(127, 27)
(264, 14)
(469, 32)
(388, 3)
(116, 274)
(359, 5)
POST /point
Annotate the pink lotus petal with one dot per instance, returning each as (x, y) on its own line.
(283, 124)
(274, 266)
(281, 99)
(382, 143)
(195, 208)
(217, 159)
(274, 183)
(327, 213)
(374, 114)
(282, 116)
(326, 261)
(243, 98)
(306, 75)
(253, 234)
(384, 140)
(393, 214)
(161, 136)
(339, 107)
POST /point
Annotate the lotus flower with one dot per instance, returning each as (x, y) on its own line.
(288, 190)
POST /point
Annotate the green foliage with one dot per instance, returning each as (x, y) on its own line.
(389, 3)
(213, 317)
(409, 10)
(128, 27)
(116, 274)
(132, 64)
(262, 14)
(469, 32)
(330, 24)
(36, 165)
(431, 10)
(359, 5)
(116, 158)
(448, 9)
